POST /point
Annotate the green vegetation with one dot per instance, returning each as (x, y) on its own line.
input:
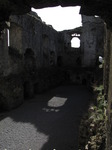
(92, 134)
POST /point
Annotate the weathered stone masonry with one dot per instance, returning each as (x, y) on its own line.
(33, 61)
(101, 8)
(108, 85)
(39, 58)
(92, 40)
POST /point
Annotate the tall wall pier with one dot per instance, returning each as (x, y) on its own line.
(92, 40)
(108, 85)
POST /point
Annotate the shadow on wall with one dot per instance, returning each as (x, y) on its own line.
(55, 117)
(59, 61)
(29, 60)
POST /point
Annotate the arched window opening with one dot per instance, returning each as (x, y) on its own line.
(100, 59)
(75, 42)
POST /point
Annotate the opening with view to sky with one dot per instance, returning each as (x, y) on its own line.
(61, 18)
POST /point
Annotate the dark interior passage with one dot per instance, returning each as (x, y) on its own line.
(46, 122)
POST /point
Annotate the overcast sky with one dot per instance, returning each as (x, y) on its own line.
(61, 18)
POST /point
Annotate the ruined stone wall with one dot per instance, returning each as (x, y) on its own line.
(35, 35)
(72, 58)
(11, 91)
(33, 59)
(108, 85)
(4, 53)
(38, 58)
(107, 53)
(92, 40)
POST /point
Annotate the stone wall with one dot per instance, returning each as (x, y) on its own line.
(108, 85)
(3, 52)
(34, 34)
(33, 61)
(92, 40)
(39, 58)
(72, 58)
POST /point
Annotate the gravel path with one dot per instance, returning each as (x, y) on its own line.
(47, 122)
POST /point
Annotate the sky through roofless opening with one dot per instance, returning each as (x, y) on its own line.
(61, 18)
